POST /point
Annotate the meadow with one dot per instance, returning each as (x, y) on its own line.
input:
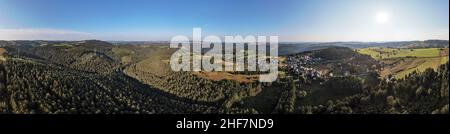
(403, 61)
(386, 53)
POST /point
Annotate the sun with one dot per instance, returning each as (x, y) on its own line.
(382, 17)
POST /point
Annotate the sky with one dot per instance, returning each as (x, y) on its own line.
(160, 20)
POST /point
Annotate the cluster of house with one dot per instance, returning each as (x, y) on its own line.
(302, 65)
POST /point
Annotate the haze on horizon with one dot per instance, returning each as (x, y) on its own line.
(160, 20)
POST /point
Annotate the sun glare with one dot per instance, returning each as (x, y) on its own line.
(382, 17)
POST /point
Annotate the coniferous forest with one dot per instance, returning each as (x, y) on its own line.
(97, 77)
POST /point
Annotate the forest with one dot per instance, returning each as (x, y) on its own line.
(92, 77)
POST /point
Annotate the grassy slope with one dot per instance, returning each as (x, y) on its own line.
(424, 63)
(62, 45)
(2, 52)
(419, 59)
(374, 52)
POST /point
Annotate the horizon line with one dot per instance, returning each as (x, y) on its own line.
(191, 40)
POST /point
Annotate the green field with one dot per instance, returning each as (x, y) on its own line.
(386, 53)
(402, 62)
(63, 45)
(425, 64)
(444, 59)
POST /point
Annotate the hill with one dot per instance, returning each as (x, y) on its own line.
(32, 87)
(293, 48)
(88, 77)
(339, 61)
(402, 61)
(95, 57)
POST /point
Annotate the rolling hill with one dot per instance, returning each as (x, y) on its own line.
(97, 77)
(403, 61)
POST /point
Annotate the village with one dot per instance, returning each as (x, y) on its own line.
(302, 65)
(311, 67)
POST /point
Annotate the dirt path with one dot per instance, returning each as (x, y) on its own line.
(2, 52)
(444, 52)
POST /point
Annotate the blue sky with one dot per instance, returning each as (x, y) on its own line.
(292, 20)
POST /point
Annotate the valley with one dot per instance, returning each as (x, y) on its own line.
(94, 77)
